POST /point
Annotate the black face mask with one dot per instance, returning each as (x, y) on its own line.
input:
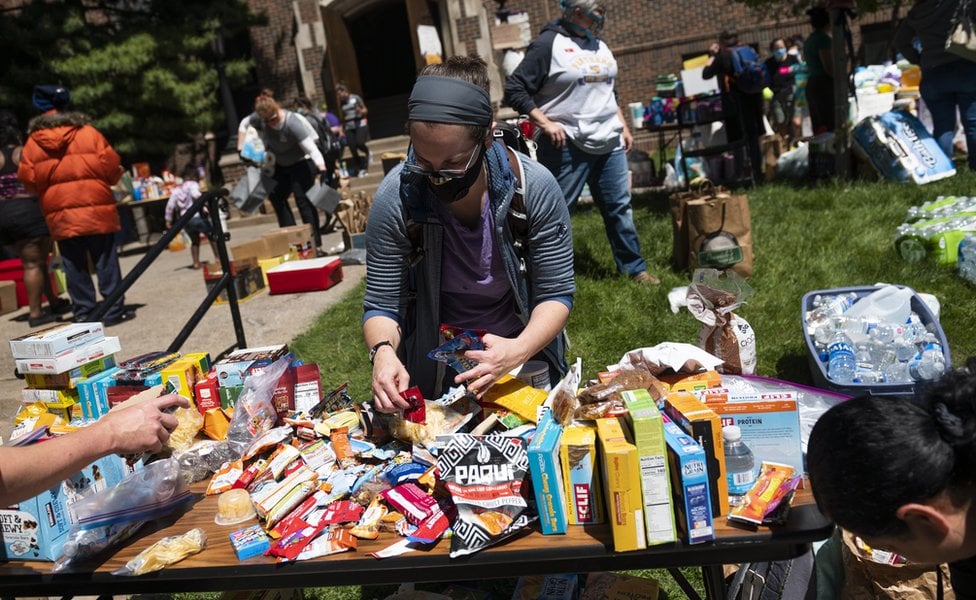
(453, 190)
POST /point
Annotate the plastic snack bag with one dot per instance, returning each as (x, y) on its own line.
(452, 351)
(112, 515)
(165, 552)
(486, 477)
(712, 296)
(254, 412)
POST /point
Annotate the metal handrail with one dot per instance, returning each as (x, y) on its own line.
(212, 199)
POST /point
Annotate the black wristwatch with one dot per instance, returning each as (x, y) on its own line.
(376, 347)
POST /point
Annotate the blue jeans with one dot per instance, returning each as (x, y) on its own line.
(606, 175)
(74, 253)
(944, 88)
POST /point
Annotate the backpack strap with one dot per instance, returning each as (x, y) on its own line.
(518, 218)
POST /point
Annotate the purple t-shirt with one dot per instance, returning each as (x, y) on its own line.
(475, 291)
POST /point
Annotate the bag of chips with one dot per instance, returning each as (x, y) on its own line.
(486, 477)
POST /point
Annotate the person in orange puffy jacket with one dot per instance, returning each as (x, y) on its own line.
(71, 167)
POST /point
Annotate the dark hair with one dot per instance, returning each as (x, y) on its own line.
(727, 36)
(819, 17)
(302, 102)
(9, 130)
(472, 69)
(772, 44)
(868, 456)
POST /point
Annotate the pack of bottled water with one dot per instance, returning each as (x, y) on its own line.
(935, 229)
(966, 264)
(875, 338)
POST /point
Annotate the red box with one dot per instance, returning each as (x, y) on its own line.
(207, 393)
(305, 275)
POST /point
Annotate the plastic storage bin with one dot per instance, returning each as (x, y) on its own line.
(818, 369)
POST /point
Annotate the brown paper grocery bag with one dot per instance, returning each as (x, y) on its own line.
(679, 219)
(865, 579)
(720, 233)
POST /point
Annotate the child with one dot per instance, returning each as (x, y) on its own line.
(180, 200)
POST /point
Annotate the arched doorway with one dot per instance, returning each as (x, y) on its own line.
(372, 46)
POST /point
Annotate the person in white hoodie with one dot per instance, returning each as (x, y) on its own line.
(565, 84)
(948, 80)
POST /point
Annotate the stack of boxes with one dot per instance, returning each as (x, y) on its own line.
(658, 472)
(253, 260)
(57, 362)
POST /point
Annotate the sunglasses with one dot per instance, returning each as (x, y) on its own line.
(443, 174)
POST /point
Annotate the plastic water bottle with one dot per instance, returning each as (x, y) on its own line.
(831, 306)
(929, 364)
(841, 365)
(966, 262)
(890, 304)
(740, 464)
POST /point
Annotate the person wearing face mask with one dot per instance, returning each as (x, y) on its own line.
(780, 109)
(565, 84)
(441, 248)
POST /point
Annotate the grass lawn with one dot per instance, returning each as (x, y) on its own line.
(834, 235)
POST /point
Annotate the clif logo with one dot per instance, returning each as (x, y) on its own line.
(581, 495)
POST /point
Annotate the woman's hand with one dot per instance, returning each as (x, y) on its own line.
(390, 378)
(499, 357)
(555, 132)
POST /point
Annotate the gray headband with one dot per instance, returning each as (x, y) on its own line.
(448, 100)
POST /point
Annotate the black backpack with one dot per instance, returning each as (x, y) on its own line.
(794, 579)
(328, 142)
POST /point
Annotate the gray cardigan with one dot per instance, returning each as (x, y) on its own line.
(410, 294)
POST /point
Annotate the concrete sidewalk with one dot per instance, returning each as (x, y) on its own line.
(165, 297)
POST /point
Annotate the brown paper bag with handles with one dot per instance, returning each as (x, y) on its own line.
(720, 232)
(681, 250)
(865, 579)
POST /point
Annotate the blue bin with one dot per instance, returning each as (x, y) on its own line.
(818, 369)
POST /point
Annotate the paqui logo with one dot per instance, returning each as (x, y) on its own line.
(483, 474)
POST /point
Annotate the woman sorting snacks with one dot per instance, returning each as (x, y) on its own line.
(446, 246)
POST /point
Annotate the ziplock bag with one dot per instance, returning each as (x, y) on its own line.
(254, 413)
(112, 515)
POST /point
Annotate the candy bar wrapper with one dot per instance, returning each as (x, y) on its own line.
(410, 500)
(405, 472)
(331, 542)
(250, 473)
(435, 525)
(452, 351)
(341, 447)
(449, 332)
(267, 441)
(342, 511)
(270, 493)
(417, 411)
(291, 500)
(368, 527)
(397, 549)
(249, 542)
(335, 401)
(775, 481)
(318, 455)
(225, 477)
(282, 457)
(301, 512)
(485, 477)
(291, 545)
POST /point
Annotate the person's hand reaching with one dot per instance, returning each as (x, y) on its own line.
(144, 427)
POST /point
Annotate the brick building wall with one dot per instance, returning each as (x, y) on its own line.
(273, 48)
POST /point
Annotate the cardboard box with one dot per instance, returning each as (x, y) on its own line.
(247, 283)
(8, 297)
(207, 393)
(308, 386)
(37, 528)
(229, 395)
(236, 366)
(56, 339)
(252, 251)
(183, 375)
(578, 459)
(213, 270)
(93, 404)
(622, 486)
(702, 423)
(771, 429)
(546, 472)
(689, 483)
(202, 359)
(619, 586)
(648, 429)
(68, 379)
(69, 360)
(680, 382)
(59, 398)
(305, 275)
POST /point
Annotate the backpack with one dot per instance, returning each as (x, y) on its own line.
(511, 136)
(750, 74)
(328, 142)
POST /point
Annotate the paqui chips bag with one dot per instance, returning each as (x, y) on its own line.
(486, 476)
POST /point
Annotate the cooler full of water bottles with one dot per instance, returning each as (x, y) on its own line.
(882, 351)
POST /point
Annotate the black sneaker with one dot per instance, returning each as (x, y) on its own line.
(125, 316)
(44, 319)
